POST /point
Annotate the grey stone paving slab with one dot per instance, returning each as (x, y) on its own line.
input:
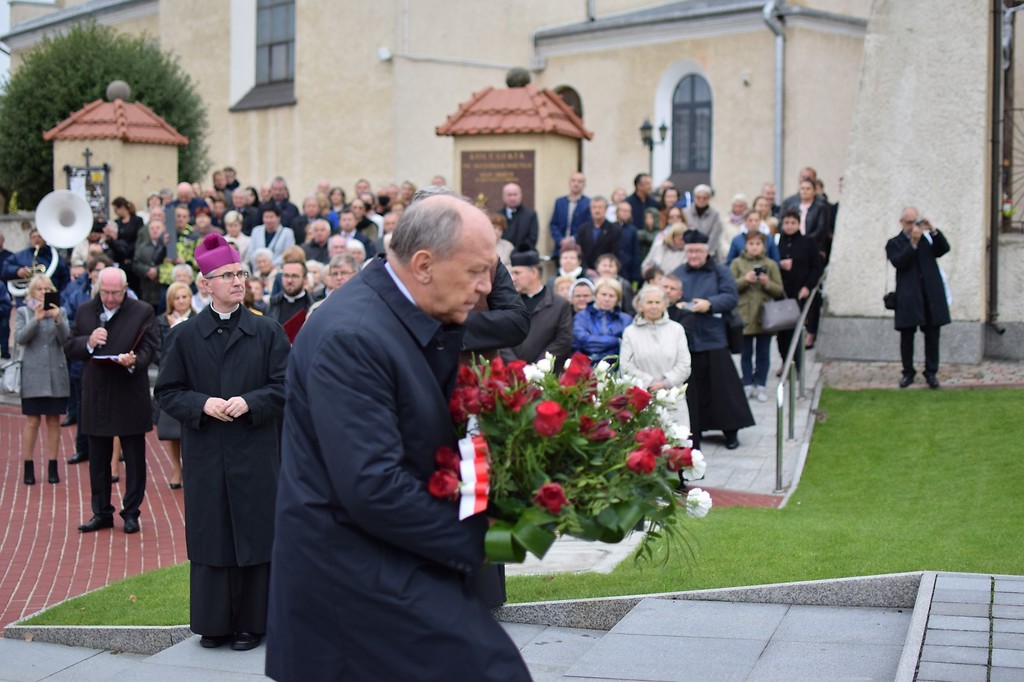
(1008, 658)
(957, 638)
(1005, 675)
(560, 646)
(189, 654)
(955, 654)
(1006, 640)
(1009, 598)
(30, 661)
(962, 596)
(849, 625)
(143, 671)
(958, 623)
(960, 582)
(951, 672)
(1005, 625)
(702, 619)
(833, 661)
(521, 633)
(957, 609)
(1001, 611)
(668, 659)
(1012, 583)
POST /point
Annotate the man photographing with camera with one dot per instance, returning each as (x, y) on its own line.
(920, 291)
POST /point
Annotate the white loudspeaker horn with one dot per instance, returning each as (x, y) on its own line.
(63, 219)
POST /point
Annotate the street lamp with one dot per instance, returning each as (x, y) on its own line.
(647, 137)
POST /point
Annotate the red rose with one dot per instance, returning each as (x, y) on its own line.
(578, 371)
(551, 496)
(638, 398)
(516, 368)
(465, 401)
(641, 461)
(677, 459)
(522, 396)
(443, 485)
(652, 438)
(447, 459)
(466, 377)
(498, 370)
(549, 419)
(596, 431)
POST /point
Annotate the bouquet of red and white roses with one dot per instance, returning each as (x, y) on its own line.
(586, 454)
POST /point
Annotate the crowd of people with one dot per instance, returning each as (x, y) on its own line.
(213, 285)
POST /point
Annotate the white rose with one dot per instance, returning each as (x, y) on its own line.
(698, 503)
(696, 472)
(547, 363)
(601, 369)
(534, 374)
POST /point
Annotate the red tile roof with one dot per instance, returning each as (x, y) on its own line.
(117, 120)
(514, 110)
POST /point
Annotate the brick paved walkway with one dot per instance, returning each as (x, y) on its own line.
(43, 558)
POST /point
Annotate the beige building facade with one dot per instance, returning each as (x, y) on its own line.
(373, 80)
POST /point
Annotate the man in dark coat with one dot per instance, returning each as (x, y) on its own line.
(550, 315)
(599, 236)
(920, 292)
(371, 571)
(117, 337)
(570, 212)
(522, 228)
(222, 377)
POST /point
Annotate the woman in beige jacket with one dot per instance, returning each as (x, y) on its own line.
(654, 350)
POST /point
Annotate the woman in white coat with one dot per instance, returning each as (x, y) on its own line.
(654, 350)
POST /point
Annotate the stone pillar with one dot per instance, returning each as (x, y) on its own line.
(920, 137)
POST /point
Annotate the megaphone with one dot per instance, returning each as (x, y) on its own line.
(63, 219)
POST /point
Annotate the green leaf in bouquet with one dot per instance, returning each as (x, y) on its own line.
(500, 545)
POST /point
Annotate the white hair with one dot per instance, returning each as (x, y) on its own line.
(355, 245)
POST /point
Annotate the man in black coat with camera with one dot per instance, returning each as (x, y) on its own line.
(920, 291)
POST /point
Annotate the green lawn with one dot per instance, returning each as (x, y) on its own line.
(895, 481)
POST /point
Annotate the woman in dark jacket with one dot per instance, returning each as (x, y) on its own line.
(597, 330)
(801, 267)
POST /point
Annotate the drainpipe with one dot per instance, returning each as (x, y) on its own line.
(772, 12)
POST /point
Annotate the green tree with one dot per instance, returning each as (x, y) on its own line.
(65, 73)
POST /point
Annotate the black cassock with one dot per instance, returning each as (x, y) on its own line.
(229, 469)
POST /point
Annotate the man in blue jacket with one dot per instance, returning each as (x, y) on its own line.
(570, 212)
(371, 572)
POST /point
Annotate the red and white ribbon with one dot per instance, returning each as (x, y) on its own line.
(475, 474)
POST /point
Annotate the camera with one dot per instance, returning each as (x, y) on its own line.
(760, 270)
(919, 221)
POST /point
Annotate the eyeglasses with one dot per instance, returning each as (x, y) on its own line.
(229, 277)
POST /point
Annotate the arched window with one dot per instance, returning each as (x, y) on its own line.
(691, 131)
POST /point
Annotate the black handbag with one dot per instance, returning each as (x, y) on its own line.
(889, 300)
(734, 331)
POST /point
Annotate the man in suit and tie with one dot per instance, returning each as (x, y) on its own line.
(598, 236)
(522, 226)
(570, 211)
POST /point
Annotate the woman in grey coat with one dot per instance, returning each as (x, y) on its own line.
(41, 333)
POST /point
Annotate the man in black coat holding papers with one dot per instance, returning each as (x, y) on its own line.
(116, 336)
(372, 573)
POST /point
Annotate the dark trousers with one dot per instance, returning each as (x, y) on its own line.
(101, 449)
(931, 349)
(756, 358)
(225, 600)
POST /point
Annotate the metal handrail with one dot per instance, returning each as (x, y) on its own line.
(790, 374)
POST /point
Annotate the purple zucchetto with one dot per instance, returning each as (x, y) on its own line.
(214, 252)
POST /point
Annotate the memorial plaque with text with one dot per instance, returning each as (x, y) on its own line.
(485, 173)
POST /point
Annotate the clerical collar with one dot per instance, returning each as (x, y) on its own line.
(293, 299)
(536, 293)
(224, 316)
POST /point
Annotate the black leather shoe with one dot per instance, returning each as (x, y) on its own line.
(906, 381)
(96, 523)
(174, 486)
(932, 381)
(69, 421)
(131, 526)
(245, 641)
(732, 443)
(78, 458)
(212, 642)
